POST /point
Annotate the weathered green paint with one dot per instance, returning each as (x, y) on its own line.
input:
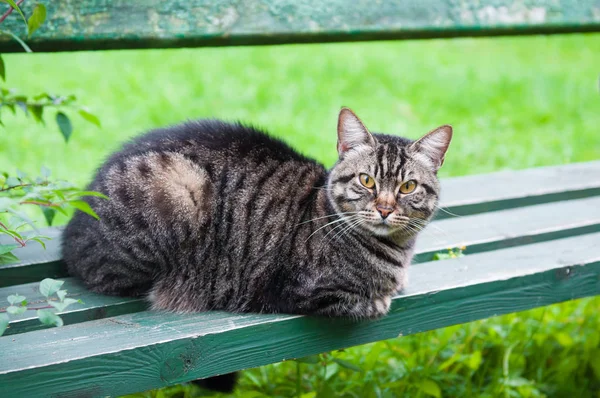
(140, 351)
(460, 195)
(94, 306)
(120, 24)
(509, 189)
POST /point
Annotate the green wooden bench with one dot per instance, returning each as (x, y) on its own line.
(533, 245)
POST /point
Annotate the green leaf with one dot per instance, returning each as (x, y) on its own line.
(594, 361)
(8, 258)
(3, 323)
(40, 241)
(7, 248)
(36, 19)
(37, 111)
(89, 117)
(61, 294)
(84, 207)
(14, 310)
(64, 124)
(50, 286)
(347, 365)
(47, 317)
(49, 214)
(2, 69)
(92, 193)
(16, 299)
(430, 387)
(16, 7)
(474, 360)
(61, 306)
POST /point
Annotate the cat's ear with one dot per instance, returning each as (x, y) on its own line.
(434, 145)
(352, 133)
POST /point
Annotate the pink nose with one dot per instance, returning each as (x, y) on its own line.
(384, 210)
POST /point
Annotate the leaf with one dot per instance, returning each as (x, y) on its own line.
(64, 125)
(7, 249)
(16, 299)
(84, 207)
(16, 7)
(37, 111)
(36, 19)
(40, 241)
(14, 310)
(61, 294)
(8, 258)
(50, 286)
(89, 117)
(49, 214)
(3, 323)
(474, 360)
(61, 306)
(2, 69)
(47, 317)
(347, 365)
(92, 193)
(430, 387)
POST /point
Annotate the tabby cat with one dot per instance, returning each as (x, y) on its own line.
(209, 215)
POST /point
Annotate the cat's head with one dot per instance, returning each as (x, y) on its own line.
(384, 184)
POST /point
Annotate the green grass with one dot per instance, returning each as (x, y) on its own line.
(513, 102)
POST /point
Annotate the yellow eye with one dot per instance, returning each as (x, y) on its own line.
(366, 180)
(408, 186)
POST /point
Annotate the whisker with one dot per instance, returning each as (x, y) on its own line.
(328, 224)
(330, 215)
(446, 211)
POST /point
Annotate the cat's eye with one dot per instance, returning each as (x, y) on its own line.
(366, 180)
(408, 186)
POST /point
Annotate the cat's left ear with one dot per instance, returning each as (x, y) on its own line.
(434, 145)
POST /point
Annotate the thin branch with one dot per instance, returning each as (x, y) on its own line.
(35, 202)
(17, 186)
(34, 308)
(19, 241)
(10, 10)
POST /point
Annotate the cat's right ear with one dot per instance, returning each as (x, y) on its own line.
(352, 133)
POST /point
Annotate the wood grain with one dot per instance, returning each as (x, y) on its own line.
(146, 350)
(120, 24)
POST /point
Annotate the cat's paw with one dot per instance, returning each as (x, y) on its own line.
(380, 307)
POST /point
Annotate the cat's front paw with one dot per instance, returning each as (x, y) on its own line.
(380, 307)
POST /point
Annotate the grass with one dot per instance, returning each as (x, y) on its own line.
(513, 102)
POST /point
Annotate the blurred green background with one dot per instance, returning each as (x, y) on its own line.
(513, 103)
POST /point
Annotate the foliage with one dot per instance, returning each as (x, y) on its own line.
(452, 253)
(18, 191)
(46, 314)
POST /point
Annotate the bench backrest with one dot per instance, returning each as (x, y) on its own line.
(101, 24)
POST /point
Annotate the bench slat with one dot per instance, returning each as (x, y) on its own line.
(146, 350)
(481, 232)
(100, 24)
(461, 195)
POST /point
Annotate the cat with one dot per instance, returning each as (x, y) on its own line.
(208, 215)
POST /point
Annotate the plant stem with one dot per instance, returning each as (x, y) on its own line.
(34, 308)
(10, 10)
(19, 241)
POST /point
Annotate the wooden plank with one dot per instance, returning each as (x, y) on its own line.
(509, 189)
(94, 306)
(508, 228)
(121, 24)
(463, 195)
(149, 350)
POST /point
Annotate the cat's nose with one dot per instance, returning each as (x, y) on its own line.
(384, 210)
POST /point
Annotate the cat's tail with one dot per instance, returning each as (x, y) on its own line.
(223, 383)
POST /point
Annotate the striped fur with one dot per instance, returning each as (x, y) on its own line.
(208, 215)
